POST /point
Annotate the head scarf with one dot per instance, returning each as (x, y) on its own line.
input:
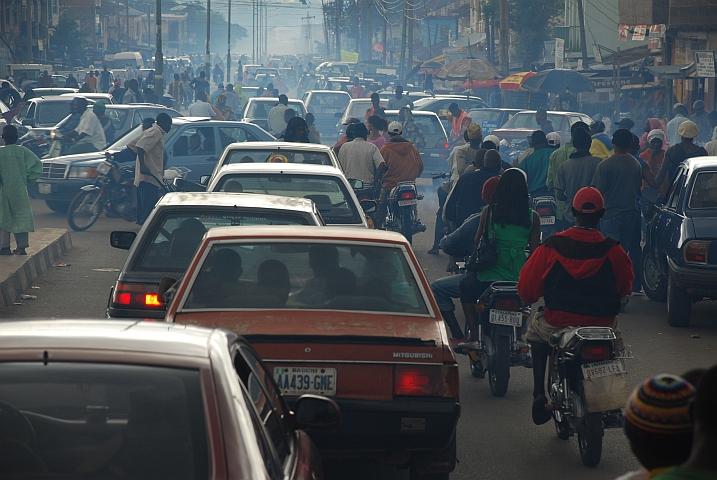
(226, 111)
(411, 131)
(655, 123)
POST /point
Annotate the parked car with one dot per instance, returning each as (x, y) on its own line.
(679, 258)
(157, 401)
(439, 104)
(63, 177)
(171, 234)
(326, 186)
(257, 110)
(355, 109)
(352, 310)
(43, 112)
(491, 118)
(325, 104)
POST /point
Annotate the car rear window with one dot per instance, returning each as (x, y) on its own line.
(110, 421)
(323, 276)
(171, 241)
(430, 126)
(277, 156)
(260, 110)
(328, 193)
(328, 103)
(704, 191)
(50, 113)
(358, 109)
(527, 120)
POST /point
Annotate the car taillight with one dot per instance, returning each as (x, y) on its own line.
(407, 195)
(544, 211)
(136, 296)
(443, 144)
(91, 172)
(426, 381)
(598, 352)
(696, 251)
(510, 304)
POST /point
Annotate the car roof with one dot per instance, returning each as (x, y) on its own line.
(235, 200)
(328, 91)
(700, 162)
(110, 335)
(286, 232)
(273, 99)
(493, 109)
(309, 147)
(415, 113)
(123, 106)
(295, 168)
(64, 98)
(555, 112)
(184, 120)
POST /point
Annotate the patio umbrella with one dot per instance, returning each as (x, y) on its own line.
(480, 84)
(430, 67)
(556, 81)
(468, 69)
(513, 82)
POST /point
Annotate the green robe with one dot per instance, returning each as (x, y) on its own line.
(556, 159)
(19, 167)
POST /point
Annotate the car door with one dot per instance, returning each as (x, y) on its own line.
(667, 228)
(192, 162)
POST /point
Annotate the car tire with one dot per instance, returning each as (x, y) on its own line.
(653, 282)
(679, 305)
(56, 206)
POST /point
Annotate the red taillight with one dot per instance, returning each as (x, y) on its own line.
(696, 251)
(407, 195)
(443, 144)
(509, 304)
(426, 381)
(122, 298)
(544, 211)
(136, 296)
(596, 352)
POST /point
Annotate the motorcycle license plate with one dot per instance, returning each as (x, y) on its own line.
(547, 220)
(104, 168)
(603, 369)
(403, 203)
(501, 317)
(296, 381)
(44, 188)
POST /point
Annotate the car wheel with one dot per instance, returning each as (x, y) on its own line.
(653, 282)
(55, 206)
(679, 305)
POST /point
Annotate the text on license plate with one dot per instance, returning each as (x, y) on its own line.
(501, 317)
(301, 380)
(603, 369)
(547, 220)
(403, 203)
(44, 188)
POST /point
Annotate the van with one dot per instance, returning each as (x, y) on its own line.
(33, 70)
(122, 59)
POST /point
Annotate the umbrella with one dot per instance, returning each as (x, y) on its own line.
(430, 67)
(557, 81)
(480, 84)
(468, 69)
(513, 82)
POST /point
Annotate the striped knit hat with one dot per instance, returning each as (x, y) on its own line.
(661, 405)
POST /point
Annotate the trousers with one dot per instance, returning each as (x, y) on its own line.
(22, 239)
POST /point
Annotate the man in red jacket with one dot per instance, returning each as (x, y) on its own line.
(582, 276)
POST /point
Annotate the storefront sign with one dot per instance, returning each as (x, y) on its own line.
(705, 63)
(639, 34)
(559, 53)
(609, 82)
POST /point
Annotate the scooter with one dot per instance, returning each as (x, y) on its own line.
(402, 212)
(547, 208)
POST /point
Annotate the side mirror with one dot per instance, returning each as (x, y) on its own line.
(316, 412)
(650, 194)
(369, 206)
(339, 114)
(356, 184)
(204, 179)
(122, 240)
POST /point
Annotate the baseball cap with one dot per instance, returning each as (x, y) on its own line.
(554, 139)
(588, 200)
(656, 133)
(395, 128)
(492, 138)
(474, 131)
(688, 129)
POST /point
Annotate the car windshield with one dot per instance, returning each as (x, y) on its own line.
(430, 126)
(358, 109)
(117, 116)
(328, 192)
(328, 102)
(134, 133)
(260, 110)
(171, 241)
(50, 113)
(99, 420)
(277, 156)
(527, 121)
(323, 276)
(704, 191)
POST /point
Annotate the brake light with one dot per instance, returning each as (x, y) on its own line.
(407, 195)
(136, 296)
(544, 211)
(427, 381)
(122, 298)
(443, 144)
(696, 251)
(91, 172)
(601, 352)
(510, 304)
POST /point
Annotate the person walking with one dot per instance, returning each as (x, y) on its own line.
(314, 135)
(176, 90)
(117, 92)
(654, 156)
(602, 144)
(19, 168)
(201, 108)
(149, 168)
(360, 159)
(357, 90)
(45, 80)
(189, 92)
(71, 82)
(465, 199)
(536, 165)
(399, 100)
(105, 79)
(296, 130)
(91, 80)
(376, 127)
(673, 138)
(275, 119)
(411, 131)
(132, 95)
(200, 86)
(375, 106)
(681, 151)
(541, 117)
(496, 97)
(699, 116)
(556, 159)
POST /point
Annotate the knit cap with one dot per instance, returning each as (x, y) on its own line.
(661, 405)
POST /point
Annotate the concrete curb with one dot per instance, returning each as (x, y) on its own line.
(17, 272)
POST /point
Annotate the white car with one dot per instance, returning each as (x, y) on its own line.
(257, 110)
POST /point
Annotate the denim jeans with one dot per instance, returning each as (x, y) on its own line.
(620, 227)
(445, 290)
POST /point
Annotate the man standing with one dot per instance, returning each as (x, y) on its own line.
(459, 122)
(357, 91)
(105, 79)
(89, 135)
(496, 98)
(375, 106)
(176, 90)
(233, 100)
(91, 80)
(201, 108)
(275, 118)
(541, 116)
(19, 168)
(200, 86)
(673, 138)
(360, 159)
(398, 101)
(536, 165)
(699, 116)
(149, 169)
(71, 82)
(557, 158)
(679, 152)
(619, 178)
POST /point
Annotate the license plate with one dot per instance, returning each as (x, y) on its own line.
(44, 188)
(403, 203)
(501, 317)
(603, 369)
(547, 220)
(296, 381)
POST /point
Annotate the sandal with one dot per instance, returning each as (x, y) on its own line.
(541, 415)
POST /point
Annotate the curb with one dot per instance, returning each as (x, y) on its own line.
(21, 271)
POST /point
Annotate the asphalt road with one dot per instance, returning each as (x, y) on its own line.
(496, 437)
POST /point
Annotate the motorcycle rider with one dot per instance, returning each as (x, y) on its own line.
(107, 127)
(360, 159)
(89, 135)
(582, 276)
(459, 122)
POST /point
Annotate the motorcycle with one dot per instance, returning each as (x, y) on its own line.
(501, 316)
(587, 387)
(547, 209)
(402, 212)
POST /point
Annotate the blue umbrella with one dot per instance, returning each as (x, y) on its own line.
(557, 81)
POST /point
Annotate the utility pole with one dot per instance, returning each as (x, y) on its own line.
(504, 39)
(229, 43)
(583, 44)
(384, 40)
(369, 31)
(207, 54)
(409, 57)
(618, 87)
(126, 24)
(324, 10)
(158, 56)
(401, 70)
(307, 32)
(338, 30)
(253, 32)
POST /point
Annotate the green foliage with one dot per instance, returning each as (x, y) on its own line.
(67, 35)
(532, 21)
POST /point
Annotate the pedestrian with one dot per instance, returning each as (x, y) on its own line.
(91, 80)
(149, 168)
(399, 100)
(619, 178)
(654, 156)
(226, 111)
(650, 125)
(45, 80)
(176, 90)
(314, 135)
(359, 159)
(117, 91)
(411, 131)
(357, 90)
(680, 152)
(626, 123)
(536, 165)
(673, 138)
(132, 95)
(233, 99)
(541, 117)
(19, 168)
(496, 97)
(241, 98)
(556, 159)
(200, 86)
(375, 107)
(459, 122)
(88, 136)
(99, 109)
(216, 93)
(201, 108)
(189, 92)
(348, 135)
(568, 102)
(376, 127)
(269, 90)
(71, 82)
(296, 129)
(699, 116)
(275, 119)
(465, 199)
(105, 79)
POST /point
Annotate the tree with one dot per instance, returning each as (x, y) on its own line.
(533, 22)
(67, 36)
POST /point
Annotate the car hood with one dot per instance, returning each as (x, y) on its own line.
(82, 158)
(704, 227)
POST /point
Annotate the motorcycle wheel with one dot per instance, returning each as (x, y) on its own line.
(405, 226)
(590, 435)
(499, 370)
(83, 211)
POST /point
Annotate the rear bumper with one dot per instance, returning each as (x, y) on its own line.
(700, 280)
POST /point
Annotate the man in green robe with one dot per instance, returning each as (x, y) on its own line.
(19, 167)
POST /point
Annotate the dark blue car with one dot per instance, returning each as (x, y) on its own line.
(679, 259)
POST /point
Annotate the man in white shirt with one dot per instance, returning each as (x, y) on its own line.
(276, 115)
(398, 101)
(201, 108)
(360, 159)
(89, 136)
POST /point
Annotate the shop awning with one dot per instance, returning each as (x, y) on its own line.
(672, 71)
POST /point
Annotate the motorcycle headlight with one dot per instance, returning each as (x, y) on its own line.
(52, 134)
(78, 172)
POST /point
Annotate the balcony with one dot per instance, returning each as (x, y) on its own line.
(646, 12)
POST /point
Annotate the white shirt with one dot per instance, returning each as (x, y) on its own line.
(359, 159)
(91, 126)
(201, 109)
(398, 103)
(276, 118)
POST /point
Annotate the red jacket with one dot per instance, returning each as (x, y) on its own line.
(582, 276)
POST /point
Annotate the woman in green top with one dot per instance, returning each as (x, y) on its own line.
(516, 226)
